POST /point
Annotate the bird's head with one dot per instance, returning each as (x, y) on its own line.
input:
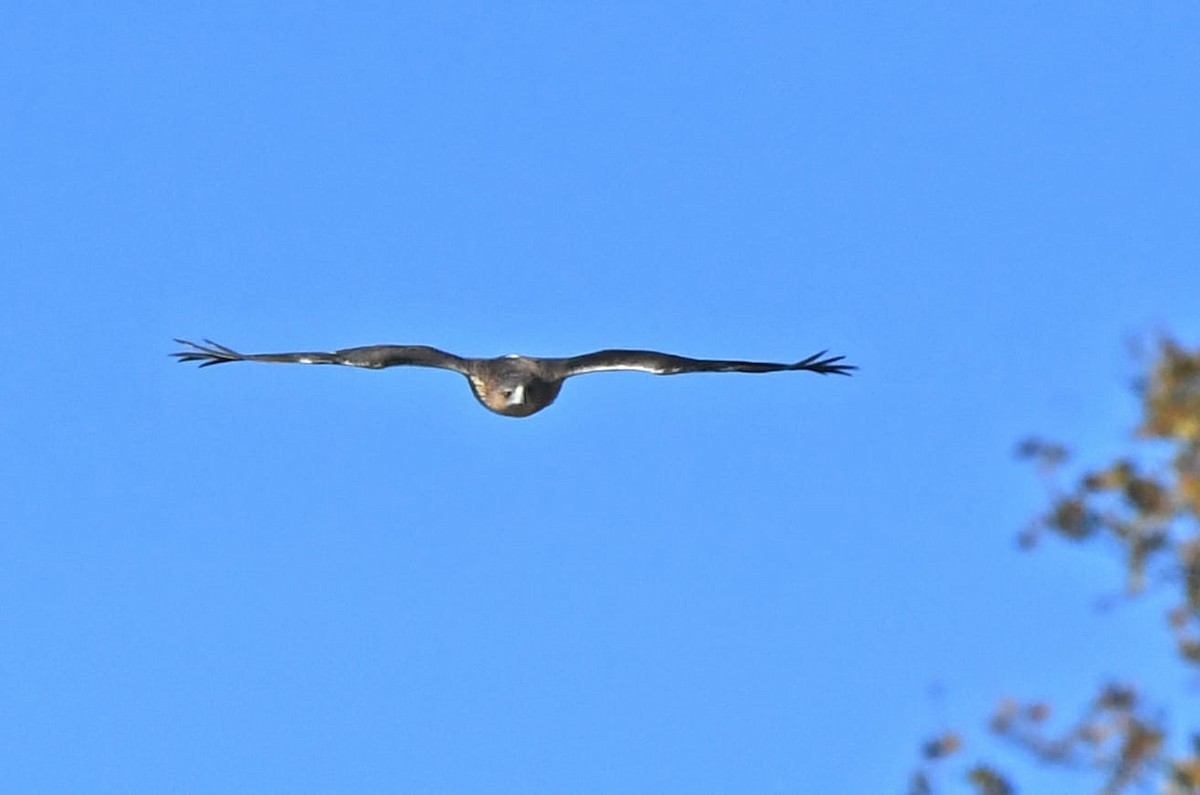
(517, 396)
(509, 395)
(514, 392)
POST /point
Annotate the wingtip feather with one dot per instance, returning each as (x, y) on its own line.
(820, 363)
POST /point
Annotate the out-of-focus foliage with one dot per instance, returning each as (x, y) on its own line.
(1147, 506)
(1114, 735)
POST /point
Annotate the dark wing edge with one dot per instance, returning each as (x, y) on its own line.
(669, 364)
(374, 357)
(825, 365)
(208, 354)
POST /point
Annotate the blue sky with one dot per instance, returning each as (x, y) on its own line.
(300, 579)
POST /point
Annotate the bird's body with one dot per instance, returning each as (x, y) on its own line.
(515, 386)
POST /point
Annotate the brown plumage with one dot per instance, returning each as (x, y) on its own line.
(515, 386)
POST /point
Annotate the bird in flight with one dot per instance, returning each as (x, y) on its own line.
(515, 386)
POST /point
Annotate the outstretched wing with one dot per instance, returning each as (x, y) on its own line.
(372, 356)
(667, 364)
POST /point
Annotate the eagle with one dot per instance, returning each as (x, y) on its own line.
(514, 386)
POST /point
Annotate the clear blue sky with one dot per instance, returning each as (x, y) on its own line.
(303, 579)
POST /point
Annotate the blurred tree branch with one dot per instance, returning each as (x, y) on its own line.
(1146, 505)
